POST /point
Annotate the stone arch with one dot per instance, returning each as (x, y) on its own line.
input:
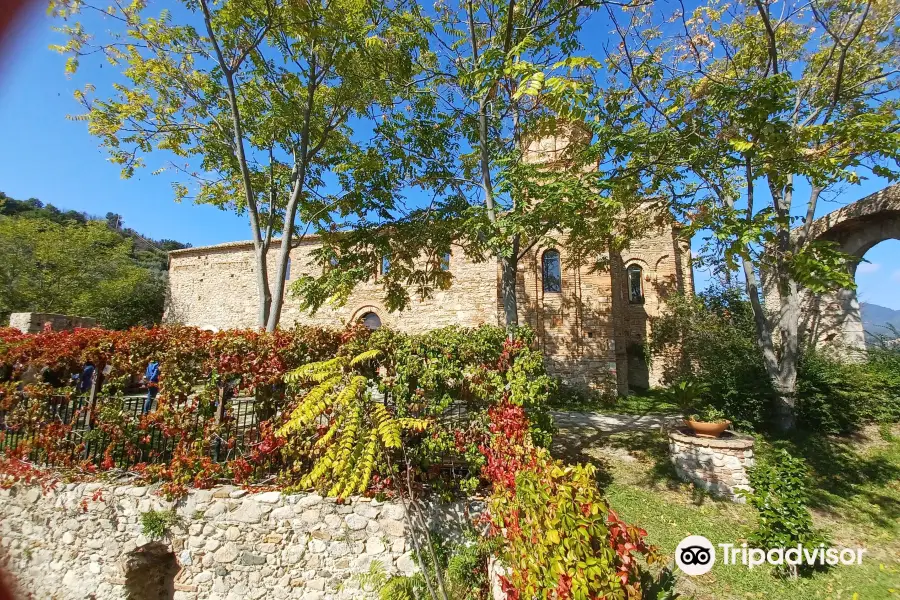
(640, 259)
(362, 311)
(833, 319)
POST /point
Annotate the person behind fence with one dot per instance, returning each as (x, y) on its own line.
(151, 377)
(85, 378)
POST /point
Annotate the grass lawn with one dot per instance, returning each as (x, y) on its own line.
(651, 401)
(856, 499)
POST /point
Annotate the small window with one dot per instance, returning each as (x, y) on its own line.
(551, 272)
(635, 284)
(370, 320)
(287, 270)
(445, 261)
(333, 261)
(385, 264)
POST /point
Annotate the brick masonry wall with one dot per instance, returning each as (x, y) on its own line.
(85, 541)
(665, 261)
(575, 326)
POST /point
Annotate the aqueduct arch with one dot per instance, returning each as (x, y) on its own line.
(833, 319)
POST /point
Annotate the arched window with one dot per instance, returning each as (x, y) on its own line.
(551, 272)
(370, 320)
(385, 264)
(635, 284)
(445, 261)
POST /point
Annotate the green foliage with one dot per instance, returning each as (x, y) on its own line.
(710, 414)
(780, 496)
(559, 537)
(155, 524)
(463, 568)
(259, 102)
(494, 79)
(358, 430)
(35, 209)
(661, 587)
(452, 376)
(687, 393)
(803, 102)
(709, 340)
(83, 269)
(835, 396)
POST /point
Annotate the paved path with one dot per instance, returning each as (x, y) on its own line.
(582, 432)
(612, 423)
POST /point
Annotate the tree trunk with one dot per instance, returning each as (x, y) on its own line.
(785, 404)
(301, 160)
(509, 266)
(284, 255)
(262, 285)
(786, 380)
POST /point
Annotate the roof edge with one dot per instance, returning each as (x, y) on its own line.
(275, 243)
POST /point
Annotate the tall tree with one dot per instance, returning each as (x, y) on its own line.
(76, 269)
(499, 76)
(253, 100)
(737, 109)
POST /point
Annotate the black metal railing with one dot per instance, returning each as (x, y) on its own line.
(109, 431)
(70, 429)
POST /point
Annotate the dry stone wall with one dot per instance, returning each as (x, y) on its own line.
(31, 322)
(86, 541)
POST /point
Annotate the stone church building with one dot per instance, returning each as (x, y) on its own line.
(591, 325)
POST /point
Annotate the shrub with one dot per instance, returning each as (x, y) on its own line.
(155, 524)
(452, 377)
(709, 339)
(780, 495)
(463, 573)
(554, 531)
(351, 429)
(839, 397)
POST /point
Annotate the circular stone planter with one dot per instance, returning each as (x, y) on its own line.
(718, 465)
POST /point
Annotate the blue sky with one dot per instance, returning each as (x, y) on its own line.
(44, 155)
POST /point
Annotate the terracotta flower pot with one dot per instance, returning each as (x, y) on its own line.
(707, 430)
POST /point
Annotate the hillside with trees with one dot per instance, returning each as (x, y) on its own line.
(70, 262)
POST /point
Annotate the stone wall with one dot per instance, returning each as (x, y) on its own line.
(30, 322)
(717, 465)
(589, 332)
(214, 287)
(85, 541)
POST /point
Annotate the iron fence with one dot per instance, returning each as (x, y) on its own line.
(72, 428)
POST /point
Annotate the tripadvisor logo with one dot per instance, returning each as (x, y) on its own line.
(696, 555)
